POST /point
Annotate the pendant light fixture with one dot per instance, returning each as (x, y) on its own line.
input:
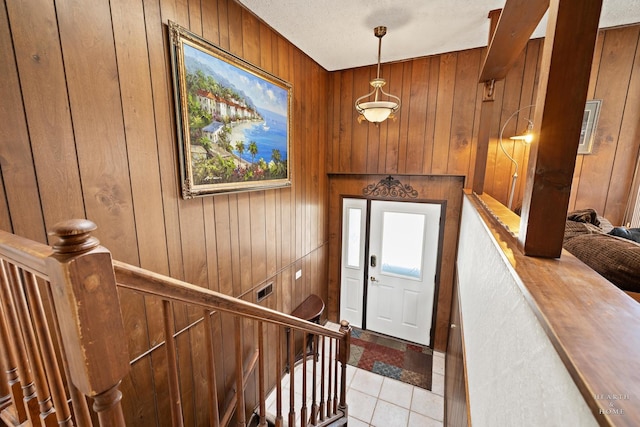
(378, 110)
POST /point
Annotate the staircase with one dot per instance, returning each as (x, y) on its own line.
(63, 344)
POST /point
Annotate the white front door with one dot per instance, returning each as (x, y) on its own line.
(403, 252)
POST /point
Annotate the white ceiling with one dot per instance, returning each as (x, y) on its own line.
(338, 34)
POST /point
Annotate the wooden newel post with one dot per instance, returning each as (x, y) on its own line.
(343, 355)
(88, 309)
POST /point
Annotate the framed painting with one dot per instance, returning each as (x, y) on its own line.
(589, 123)
(233, 119)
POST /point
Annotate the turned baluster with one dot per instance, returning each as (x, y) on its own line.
(263, 409)
(86, 300)
(322, 377)
(279, 370)
(20, 379)
(5, 391)
(303, 409)
(58, 395)
(314, 405)
(345, 349)
(336, 357)
(329, 389)
(292, 358)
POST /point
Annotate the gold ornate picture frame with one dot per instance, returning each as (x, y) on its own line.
(233, 119)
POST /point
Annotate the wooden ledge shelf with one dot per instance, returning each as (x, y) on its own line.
(593, 325)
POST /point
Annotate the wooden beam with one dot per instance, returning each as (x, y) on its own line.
(562, 92)
(518, 20)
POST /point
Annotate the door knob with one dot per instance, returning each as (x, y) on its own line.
(373, 279)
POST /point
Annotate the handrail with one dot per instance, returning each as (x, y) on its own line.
(141, 280)
(25, 253)
(81, 282)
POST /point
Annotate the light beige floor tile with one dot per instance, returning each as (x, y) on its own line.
(361, 405)
(419, 420)
(367, 382)
(354, 422)
(426, 403)
(396, 392)
(389, 415)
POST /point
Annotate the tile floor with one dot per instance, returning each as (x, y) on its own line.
(379, 401)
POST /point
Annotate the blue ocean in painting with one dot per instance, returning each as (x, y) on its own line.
(268, 135)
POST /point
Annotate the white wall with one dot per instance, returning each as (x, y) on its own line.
(515, 376)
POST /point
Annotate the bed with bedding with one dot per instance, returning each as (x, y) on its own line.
(593, 240)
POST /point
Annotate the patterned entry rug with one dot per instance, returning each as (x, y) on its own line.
(390, 357)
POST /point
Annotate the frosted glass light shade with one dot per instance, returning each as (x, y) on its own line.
(377, 111)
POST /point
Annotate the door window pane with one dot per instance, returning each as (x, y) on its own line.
(402, 243)
(353, 243)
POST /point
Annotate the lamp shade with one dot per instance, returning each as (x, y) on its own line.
(377, 111)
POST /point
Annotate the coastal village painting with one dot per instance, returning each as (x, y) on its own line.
(234, 121)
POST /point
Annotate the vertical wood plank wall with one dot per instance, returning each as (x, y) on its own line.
(436, 131)
(89, 131)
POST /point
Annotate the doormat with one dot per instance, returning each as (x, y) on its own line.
(391, 357)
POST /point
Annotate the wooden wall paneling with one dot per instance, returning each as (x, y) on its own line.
(595, 66)
(306, 144)
(395, 72)
(195, 16)
(373, 133)
(193, 244)
(464, 107)
(446, 84)
(333, 120)
(200, 374)
(315, 148)
(359, 131)
(223, 23)
(258, 228)
(46, 106)
(162, 90)
(234, 11)
(623, 169)
(88, 52)
(250, 38)
(271, 254)
(613, 84)
(223, 243)
(161, 387)
(265, 49)
(140, 407)
(210, 22)
(432, 104)
(16, 162)
(245, 241)
(137, 103)
(5, 218)
(234, 228)
(298, 184)
(527, 97)
(186, 370)
(418, 106)
(347, 112)
(492, 149)
(211, 243)
(403, 137)
(511, 102)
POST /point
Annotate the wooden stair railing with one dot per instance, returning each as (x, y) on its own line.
(57, 355)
